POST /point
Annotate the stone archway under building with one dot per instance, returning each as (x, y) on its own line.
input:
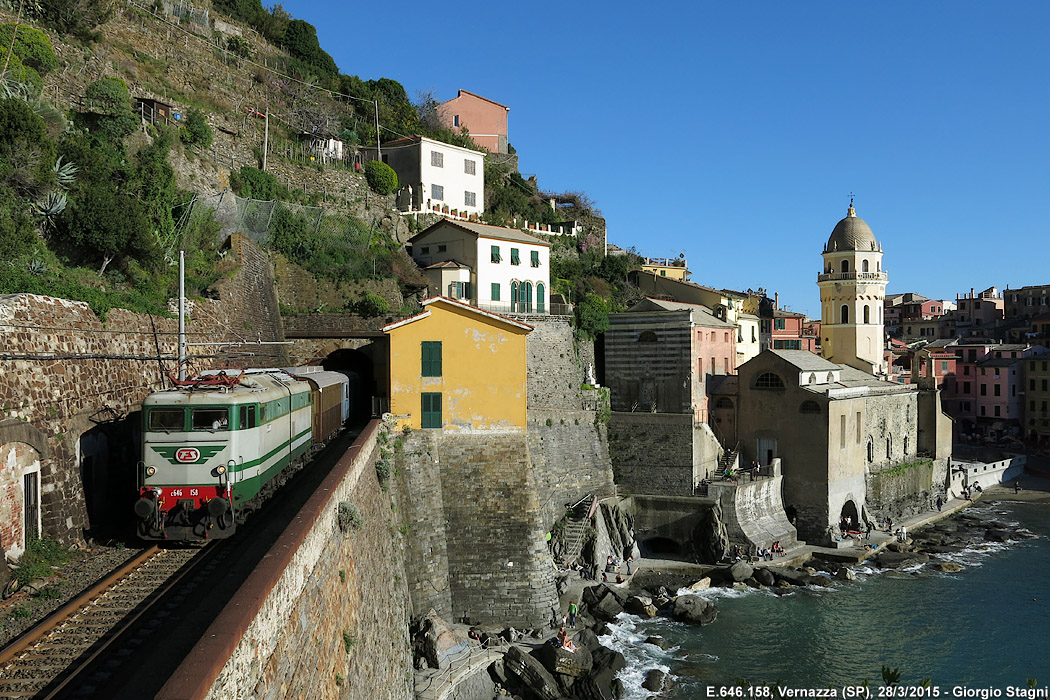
(850, 510)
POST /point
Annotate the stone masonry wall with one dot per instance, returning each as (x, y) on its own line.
(570, 454)
(499, 570)
(67, 372)
(554, 370)
(335, 624)
(424, 516)
(652, 453)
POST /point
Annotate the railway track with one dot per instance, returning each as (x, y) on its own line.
(52, 658)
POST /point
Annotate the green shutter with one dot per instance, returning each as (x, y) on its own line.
(430, 405)
(535, 258)
(514, 259)
(431, 356)
(495, 254)
(495, 291)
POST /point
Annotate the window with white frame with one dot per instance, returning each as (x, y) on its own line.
(437, 192)
(470, 199)
(437, 159)
(469, 166)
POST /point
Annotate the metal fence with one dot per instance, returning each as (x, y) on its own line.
(259, 220)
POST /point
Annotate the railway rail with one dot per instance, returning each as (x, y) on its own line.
(52, 658)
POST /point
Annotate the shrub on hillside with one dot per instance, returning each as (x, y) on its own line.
(109, 101)
(32, 46)
(255, 184)
(76, 17)
(20, 74)
(381, 177)
(592, 316)
(372, 305)
(197, 132)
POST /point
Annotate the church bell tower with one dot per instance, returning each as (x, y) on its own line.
(852, 297)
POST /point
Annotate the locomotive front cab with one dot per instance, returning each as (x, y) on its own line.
(187, 471)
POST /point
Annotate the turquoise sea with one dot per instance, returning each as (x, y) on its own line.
(987, 626)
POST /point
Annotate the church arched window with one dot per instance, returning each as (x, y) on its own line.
(809, 407)
(844, 314)
(871, 450)
(813, 378)
(769, 380)
(889, 446)
(867, 314)
(724, 402)
(647, 337)
(845, 265)
(863, 265)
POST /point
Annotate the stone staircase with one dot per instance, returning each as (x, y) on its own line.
(575, 532)
(727, 461)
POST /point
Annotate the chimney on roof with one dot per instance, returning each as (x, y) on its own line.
(776, 300)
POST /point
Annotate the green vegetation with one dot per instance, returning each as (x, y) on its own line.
(76, 17)
(902, 468)
(38, 559)
(372, 305)
(197, 131)
(383, 473)
(348, 641)
(381, 177)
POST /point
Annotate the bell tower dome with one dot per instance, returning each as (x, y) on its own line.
(852, 296)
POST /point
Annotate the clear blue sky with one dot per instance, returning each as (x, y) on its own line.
(734, 132)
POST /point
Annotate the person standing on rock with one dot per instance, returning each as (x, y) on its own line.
(940, 502)
(573, 610)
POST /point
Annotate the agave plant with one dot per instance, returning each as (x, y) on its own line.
(49, 207)
(65, 173)
(37, 267)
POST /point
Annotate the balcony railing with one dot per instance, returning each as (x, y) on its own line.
(526, 309)
(862, 276)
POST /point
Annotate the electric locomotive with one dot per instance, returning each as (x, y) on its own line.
(212, 443)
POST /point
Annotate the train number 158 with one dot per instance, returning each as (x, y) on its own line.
(176, 493)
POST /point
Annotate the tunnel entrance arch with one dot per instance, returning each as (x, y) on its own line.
(661, 545)
(360, 365)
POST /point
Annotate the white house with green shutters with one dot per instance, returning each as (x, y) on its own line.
(491, 267)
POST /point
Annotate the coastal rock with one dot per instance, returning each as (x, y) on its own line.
(895, 560)
(596, 686)
(741, 571)
(662, 601)
(793, 577)
(765, 577)
(701, 585)
(640, 606)
(569, 663)
(993, 534)
(658, 641)
(846, 574)
(607, 608)
(654, 680)
(821, 580)
(510, 635)
(604, 657)
(949, 567)
(943, 549)
(437, 640)
(587, 638)
(694, 609)
(532, 674)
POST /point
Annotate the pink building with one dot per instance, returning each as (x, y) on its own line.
(988, 393)
(789, 332)
(485, 119)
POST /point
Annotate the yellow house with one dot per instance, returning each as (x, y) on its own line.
(457, 367)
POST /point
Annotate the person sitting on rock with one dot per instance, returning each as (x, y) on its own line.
(566, 643)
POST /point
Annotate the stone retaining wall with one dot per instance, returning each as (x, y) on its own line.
(570, 454)
(283, 633)
(487, 521)
(70, 375)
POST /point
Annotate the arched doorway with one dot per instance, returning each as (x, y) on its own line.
(850, 514)
(360, 367)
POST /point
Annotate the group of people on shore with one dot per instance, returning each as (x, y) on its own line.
(737, 553)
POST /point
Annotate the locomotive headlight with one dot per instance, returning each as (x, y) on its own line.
(150, 471)
(221, 469)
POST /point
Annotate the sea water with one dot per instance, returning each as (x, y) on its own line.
(987, 626)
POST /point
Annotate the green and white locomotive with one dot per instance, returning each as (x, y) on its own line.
(212, 443)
